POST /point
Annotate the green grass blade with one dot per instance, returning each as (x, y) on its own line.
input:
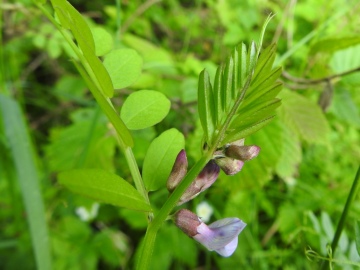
(20, 146)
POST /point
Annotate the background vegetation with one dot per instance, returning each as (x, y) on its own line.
(291, 196)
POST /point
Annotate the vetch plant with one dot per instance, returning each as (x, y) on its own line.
(241, 100)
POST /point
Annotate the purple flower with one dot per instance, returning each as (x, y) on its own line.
(220, 236)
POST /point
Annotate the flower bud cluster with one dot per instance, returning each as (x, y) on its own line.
(232, 158)
(222, 235)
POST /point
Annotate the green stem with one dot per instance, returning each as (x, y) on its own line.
(105, 104)
(135, 173)
(344, 214)
(150, 236)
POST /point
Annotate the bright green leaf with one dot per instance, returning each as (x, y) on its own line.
(331, 45)
(105, 187)
(160, 158)
(291, 154)
(144, 109)
(103, 41)
(304, 116)
(124, 67)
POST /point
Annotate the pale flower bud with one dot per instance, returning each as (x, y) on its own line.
(244, 153)
(230, 166)
(178, 171)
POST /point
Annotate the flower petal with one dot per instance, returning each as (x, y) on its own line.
(220, 233)
(229, 249)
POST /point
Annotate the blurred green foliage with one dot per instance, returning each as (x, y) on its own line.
(291, 196)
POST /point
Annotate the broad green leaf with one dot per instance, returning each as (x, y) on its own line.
(357, 236)
(109, 110)
(105, 187)
(103, 41)
(21, 149)
(160, 158)
(304, 116)
(124, 67)
(291, 154)
(331, 45)
(155, 58)
(206, 105)
(144, 109)
(344, 107)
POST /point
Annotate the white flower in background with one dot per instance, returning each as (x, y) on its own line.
(85, 215)
(204, 211)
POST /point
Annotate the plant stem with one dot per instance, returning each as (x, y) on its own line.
(106, 106)
(150, 236)
(344, 214)
(135, 173)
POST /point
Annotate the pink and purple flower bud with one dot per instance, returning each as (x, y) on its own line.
(202, 182)
(178, 171)
(220, 236)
